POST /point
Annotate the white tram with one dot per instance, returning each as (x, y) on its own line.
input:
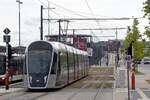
(53, 65)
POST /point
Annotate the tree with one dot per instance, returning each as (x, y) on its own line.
(133, 36)
(146, 10)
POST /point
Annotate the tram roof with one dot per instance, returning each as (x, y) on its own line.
(63, 47)
(58, 47)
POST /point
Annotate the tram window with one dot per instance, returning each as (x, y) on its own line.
(54, 65)
(39, 61)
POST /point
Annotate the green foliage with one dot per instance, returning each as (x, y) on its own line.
(138, 50)
(146, 10)
(147, 45)
(128, 38)
(132, 34)
(133, 37)
(147, 32)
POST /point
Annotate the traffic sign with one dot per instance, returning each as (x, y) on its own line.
(6, 38)
(6, 30)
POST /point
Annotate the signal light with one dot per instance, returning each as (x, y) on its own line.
(129, 51)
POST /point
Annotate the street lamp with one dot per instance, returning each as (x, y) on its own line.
(19, 2)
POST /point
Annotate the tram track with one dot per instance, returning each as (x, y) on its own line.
(74, 94)
(101, 87)
(88, 84)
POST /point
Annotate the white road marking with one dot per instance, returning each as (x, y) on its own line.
(144, 97)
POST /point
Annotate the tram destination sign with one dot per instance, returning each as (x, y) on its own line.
(6, 30)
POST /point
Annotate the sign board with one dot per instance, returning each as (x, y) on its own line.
(128, 57)
(90, 51)
(6, 31)
(80, 43)
(6, 38)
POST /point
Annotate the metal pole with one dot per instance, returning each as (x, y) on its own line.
(116, 34)
(128, 79)
(48, 20)
(6, 80)
(107, 53)
(73, 38)
(19, 2)
(41, 36)
(117, 55)
(59, 31)
(19, 24)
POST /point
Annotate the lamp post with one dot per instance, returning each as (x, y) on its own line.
(19, 2)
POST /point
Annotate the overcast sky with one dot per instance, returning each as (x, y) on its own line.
(30, 17)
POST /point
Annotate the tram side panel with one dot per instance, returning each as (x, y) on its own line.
(76, 67)
(80, 66)
(53, 70)
(71, 67)
(86, 65)
(63, 63)
(62, 77)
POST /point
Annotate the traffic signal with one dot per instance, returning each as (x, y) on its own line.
(9, 51)
(129, 51)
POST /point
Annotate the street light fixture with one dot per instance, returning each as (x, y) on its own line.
(19, 2)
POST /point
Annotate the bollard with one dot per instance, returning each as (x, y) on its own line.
(133, 80)
(7, 82)
(133, 75)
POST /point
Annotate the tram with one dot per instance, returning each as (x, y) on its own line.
(14, 71)
(53, 65)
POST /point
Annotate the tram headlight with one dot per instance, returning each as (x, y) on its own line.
(3, 78)
(45, 77)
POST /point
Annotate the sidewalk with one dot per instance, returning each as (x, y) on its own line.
(141, 79)
(4, 91)
(141, 86)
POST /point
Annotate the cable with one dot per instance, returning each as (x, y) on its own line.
(75, 13)
(56, 13)
(42, 3)
(78, 13)
(92, 14)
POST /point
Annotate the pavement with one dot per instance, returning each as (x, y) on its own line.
(141, 79)
(142, 87)
(10, 90)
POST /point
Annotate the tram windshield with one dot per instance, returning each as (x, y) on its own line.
(39, 61)
(2, 65)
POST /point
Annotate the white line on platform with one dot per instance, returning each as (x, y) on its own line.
(144, 97)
